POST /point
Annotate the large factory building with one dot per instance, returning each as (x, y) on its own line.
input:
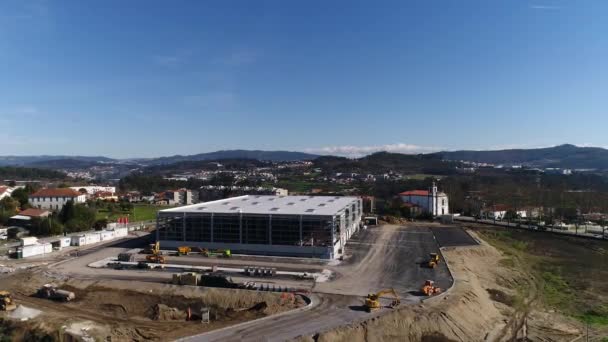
(302, 226)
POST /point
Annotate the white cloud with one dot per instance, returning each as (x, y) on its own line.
(358, 151)
(545, 7)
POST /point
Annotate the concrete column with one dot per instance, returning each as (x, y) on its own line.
(301, 228)
(211, 227)
(184, 227)
(157, 227)
(270, 229)
(241, 228)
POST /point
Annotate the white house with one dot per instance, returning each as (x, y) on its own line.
(93, 189)
(433, 202)
(5, 191)
(55, 199)
(495, 212)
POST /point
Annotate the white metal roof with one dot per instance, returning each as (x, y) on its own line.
(273, 205)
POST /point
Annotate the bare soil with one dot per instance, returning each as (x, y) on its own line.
(129, 311)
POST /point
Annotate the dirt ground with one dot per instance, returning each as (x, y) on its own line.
(136, 311)
(481, 306)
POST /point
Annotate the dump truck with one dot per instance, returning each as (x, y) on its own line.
(50, 291)
(372, 301)
(6, 301)
(430, 289)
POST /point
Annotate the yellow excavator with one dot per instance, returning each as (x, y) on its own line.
(372, 302)
(6, 301)
(433, 260)
(156, 256)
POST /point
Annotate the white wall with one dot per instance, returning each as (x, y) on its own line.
(54, 203)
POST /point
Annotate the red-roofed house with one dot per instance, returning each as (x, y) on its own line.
(33, 212)
(430, 201)
(54, 199)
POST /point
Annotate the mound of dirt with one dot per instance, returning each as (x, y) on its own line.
(165, 313)
(501, 297)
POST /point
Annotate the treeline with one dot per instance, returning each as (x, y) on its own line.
(148, 184)
(385, 162)
(567, 195)
(19, 173)
(207, 165)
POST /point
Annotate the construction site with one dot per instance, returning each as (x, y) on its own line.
(409, 281)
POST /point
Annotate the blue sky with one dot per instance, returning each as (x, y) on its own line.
(152, 78)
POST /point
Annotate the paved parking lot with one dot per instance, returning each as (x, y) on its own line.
(453, 237)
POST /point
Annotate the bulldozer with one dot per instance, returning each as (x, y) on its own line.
(156, 256)
(430, 289)
(372, 302)
(433, 260)
(183, 250)
(6, 301)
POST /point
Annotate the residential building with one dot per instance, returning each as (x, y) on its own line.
(303, 226)
(430, 201)
(93, 189)
(5, 191)
(495, 212)
(24, 218)
(55, 198)
(175, 197)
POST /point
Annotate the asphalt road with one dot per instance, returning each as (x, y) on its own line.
(453, 236)
(388, 257)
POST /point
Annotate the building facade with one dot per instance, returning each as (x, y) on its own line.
(429, 201)
(303, 226)
(55, 199)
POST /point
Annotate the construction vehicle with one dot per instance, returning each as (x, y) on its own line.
(156, 256)
(433, 260)
(372, 302)
(183, 250)
(6, 301)
(50, 291)
(224, 253)
(430, 289)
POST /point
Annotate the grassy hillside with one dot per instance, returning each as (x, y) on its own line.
(570, 273)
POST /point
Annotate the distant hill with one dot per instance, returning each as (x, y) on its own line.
(19, 173)
(563, 156)
(274, 156)
(67, 163)
(29, 160)
(210, 165)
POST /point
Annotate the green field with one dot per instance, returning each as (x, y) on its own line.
(570, 273)
(140, 212)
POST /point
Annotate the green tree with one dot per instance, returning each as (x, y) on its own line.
(21, 195)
